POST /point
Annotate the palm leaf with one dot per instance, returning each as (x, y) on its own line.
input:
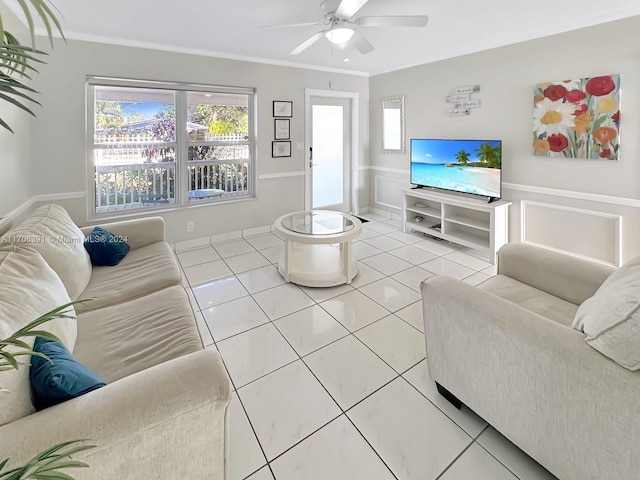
(4, 124)
(47, 464)
(17, 58)
(29, 18)
(8, 359)
(9, 99)
(46, 15)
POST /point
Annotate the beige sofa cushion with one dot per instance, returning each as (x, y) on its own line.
(51, 232)
(531, 298)
(126, 338)
(144, 270)
(611, 318)
(29, 288)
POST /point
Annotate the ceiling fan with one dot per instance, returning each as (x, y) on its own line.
(339, 21)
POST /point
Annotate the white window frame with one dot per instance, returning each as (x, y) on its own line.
(181, 144)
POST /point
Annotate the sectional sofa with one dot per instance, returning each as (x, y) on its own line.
(164, 410)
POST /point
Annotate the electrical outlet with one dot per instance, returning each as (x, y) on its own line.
(191, 226)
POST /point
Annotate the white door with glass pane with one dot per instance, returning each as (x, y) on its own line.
(329, 154)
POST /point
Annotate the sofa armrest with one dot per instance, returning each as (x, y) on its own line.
(168, 421)
(137, 233)
(536, 381)
(571, 278)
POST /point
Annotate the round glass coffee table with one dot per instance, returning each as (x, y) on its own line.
(317, 247)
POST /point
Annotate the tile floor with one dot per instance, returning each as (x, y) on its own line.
(332, 383)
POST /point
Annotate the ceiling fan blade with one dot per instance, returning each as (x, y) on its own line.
(289, 25)
(307, 43)
(348, 8)
(393, 21)
(363, 45)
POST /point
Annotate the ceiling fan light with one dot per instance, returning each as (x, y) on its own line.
(339, 35)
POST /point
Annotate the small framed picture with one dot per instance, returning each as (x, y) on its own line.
(282, 129)
(280, 149)
(282, 109)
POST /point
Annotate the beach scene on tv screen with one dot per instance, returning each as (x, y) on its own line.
(470, 166)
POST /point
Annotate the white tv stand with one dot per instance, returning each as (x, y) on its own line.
(466, 221)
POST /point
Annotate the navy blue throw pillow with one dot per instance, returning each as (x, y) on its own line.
(105, 248)
(60, 379)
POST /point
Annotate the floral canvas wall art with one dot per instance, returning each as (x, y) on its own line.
(577, 118)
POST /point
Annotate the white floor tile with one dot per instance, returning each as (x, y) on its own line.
(512, 457)
(192, 299)
(234, 317)
(362, 250)
(226, 237)
(374, 217)
(365, 234)
(207, 272)
(282, 300)
(321, 294)
(269, 240)
(310, 329)
(411, 254)
(263, 474)
(413, 315)
(337, 452)
(219, 291)
(412, 437)
(466, 419)
(261, 279)
(397, 224)
(467, 260)
(246, 261)
(381, 227)
(437, 247)
(193, 244)
(196, 257)
(286, 406)
(245, 455)
(397, 343)
(384, 243)
(476, 278)
(255, 353)
(406, 237)
(442, 266)
(365, 275)
(491, 271)
(349, 370)
(354, 310)
(232, 248)
(391, 294)
(412, 277)
(475, 253)
(387, 264)
(476, 463)
(272, 253)
(205, 334)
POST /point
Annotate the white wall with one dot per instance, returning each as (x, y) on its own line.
(59, 156)
(15, 149)
(507, 76)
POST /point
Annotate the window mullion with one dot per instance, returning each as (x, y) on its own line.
(182, 168)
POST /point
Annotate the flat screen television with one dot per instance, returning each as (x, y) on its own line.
(467, 166)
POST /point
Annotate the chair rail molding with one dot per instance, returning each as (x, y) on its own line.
(585, 233)
(47, 197)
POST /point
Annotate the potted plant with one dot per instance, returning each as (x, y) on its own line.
(17, 60)
(49, 463)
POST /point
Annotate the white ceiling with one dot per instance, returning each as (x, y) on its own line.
(231, 28)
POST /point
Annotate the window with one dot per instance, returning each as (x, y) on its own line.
(139, 159)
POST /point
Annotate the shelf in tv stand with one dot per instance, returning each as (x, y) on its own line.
(470, 222)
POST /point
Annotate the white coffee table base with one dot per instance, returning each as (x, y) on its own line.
(313, 265)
